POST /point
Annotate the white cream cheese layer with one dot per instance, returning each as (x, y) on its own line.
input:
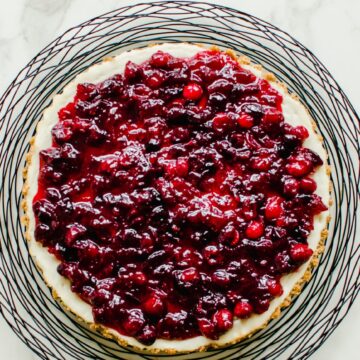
(294, 113)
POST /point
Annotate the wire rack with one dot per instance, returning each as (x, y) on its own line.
(27, 304)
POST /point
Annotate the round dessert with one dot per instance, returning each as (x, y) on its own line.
(176, 197)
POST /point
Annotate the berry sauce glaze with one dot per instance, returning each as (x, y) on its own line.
(175, 196)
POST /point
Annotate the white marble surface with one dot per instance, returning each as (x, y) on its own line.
(330, 28)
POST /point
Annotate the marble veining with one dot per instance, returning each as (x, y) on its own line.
(51, 13)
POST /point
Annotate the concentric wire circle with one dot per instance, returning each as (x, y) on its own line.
(27, 304)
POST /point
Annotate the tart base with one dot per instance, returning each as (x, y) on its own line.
(36, 248)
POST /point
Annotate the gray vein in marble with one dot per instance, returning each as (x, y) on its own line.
(41, 19)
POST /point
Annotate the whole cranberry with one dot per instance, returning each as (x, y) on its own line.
(160, 59)
(300, 132)
(299, 167)
(255, 229)
(223, 320)
(308, 185)
(153, 306)
(155, 80)
(246, 121)
(207, 328)
(300, 252)
(273, 207)
(192, 91)
(147, 335)
(187, 279)
(221, 122)
(261, 305)
(221, 278)
(133, 322)
(243, 309)
(274, 288)
(291, 186)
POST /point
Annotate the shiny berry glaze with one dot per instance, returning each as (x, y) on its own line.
(176, 197)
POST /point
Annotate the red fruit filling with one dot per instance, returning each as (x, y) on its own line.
(176, 197)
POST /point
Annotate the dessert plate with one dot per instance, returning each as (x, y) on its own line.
(27, 304)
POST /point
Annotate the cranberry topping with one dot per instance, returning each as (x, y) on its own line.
(175, 196)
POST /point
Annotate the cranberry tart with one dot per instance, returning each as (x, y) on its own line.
(176, 197)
